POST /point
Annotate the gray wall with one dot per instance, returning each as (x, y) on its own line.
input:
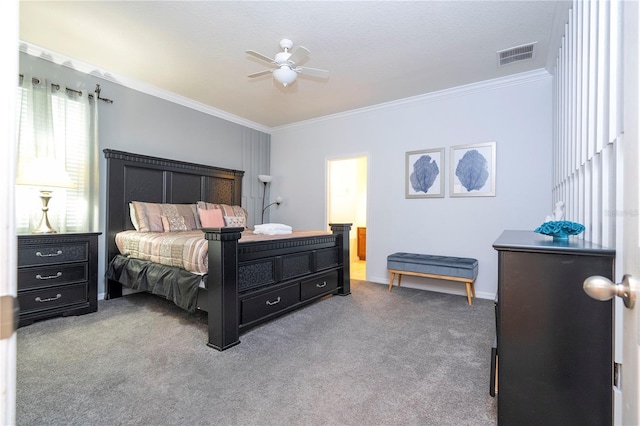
(514, 112)
(144, 124)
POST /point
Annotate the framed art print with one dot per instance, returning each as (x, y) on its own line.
(424, 174)
(473, 170)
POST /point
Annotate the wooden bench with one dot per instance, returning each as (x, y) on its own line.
(461, 269)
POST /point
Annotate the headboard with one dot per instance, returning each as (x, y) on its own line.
(134, 177)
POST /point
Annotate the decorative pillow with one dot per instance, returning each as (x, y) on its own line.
(132, 215)
(149, 215)
(227, 210)
(174, 223)
(211, 218)
(235, 221)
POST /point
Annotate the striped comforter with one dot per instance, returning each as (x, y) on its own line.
(183, 249)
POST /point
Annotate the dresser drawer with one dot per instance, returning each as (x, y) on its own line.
(46, 276)
(52, 297)
(269, 303)
(320, 285)
(52, 254)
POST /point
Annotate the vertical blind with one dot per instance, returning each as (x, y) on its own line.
(587, 117)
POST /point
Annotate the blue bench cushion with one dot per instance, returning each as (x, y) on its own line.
(462, 267)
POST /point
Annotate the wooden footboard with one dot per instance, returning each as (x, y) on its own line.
(253, 282)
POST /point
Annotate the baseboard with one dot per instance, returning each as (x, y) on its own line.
(447, 289)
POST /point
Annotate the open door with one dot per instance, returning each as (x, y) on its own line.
(8, 243)
(630, 160)
(347, 203)
(628, 223)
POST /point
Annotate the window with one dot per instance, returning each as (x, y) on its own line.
(60, 125)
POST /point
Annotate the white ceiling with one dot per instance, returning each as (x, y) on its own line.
(376, 51)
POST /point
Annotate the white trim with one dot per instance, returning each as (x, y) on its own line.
(60, 59)
(493, 84)
(74, 64)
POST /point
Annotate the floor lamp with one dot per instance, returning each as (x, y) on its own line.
(265, 179)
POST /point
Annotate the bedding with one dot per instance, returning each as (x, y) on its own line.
(174, 284)
(148, 217)
(183, 249)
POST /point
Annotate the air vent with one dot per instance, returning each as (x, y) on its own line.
(516, 54)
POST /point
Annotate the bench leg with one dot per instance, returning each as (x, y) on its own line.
(469, 290)
(393, 275)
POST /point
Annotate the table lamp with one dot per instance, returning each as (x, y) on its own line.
(45, 174)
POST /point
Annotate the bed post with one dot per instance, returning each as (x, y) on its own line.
(222, 287)
(344, 275)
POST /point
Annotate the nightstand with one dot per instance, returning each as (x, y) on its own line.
(57, 275)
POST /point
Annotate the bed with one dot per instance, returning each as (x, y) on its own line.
(248, 280)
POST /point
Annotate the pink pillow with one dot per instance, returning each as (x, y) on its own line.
(211, 218)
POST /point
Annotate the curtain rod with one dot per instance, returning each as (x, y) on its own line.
(56, 86)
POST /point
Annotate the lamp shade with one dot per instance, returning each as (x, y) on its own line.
(265, 178)
(285, 75)
(44, 173)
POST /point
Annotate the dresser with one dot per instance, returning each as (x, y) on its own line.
(554, 342)
(57, 275)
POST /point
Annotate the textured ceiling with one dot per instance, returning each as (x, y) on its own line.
(375, 52)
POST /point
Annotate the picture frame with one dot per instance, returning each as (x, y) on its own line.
(473, 170)
(424, 173)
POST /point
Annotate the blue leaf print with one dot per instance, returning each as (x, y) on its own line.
(472, 170)
(425, 172)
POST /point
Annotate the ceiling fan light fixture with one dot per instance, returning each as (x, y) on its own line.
(285, 75)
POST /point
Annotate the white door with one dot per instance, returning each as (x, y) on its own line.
(630, 154)
(8, 78)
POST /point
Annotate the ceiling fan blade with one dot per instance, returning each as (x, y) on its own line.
(314, 72)
(259, 74)
(299, 54)
(260, 56)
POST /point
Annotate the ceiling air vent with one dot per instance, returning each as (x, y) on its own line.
(516, 54)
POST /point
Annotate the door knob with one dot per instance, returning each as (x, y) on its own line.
(602, 288)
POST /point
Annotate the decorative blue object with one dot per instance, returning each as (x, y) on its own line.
(473, 170)
(560, 229)
(425, 172)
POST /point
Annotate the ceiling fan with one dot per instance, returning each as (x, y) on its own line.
(286, 71)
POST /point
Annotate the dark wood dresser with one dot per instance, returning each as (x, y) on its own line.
(57, 275)
(554, 342)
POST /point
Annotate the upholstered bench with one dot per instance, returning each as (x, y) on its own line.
(462, 269)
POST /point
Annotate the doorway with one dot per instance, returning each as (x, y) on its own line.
(347, 203)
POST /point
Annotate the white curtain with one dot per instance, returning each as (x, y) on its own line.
(60, 125)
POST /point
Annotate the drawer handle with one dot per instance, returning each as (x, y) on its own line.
(49, 277)
(58, 296)
(57, 253)
(275, 302)
(324, 284)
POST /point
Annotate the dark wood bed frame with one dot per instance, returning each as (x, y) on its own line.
(248, 283)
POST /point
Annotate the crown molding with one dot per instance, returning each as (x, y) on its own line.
(468, 89)
(74, 64)
(60, 59)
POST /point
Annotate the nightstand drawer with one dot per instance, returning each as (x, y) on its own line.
(269, 303)
(321, 285)
(46, 276)
(52, 297)
(52, 254)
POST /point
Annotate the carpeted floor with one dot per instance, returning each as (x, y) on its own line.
(409, 357)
